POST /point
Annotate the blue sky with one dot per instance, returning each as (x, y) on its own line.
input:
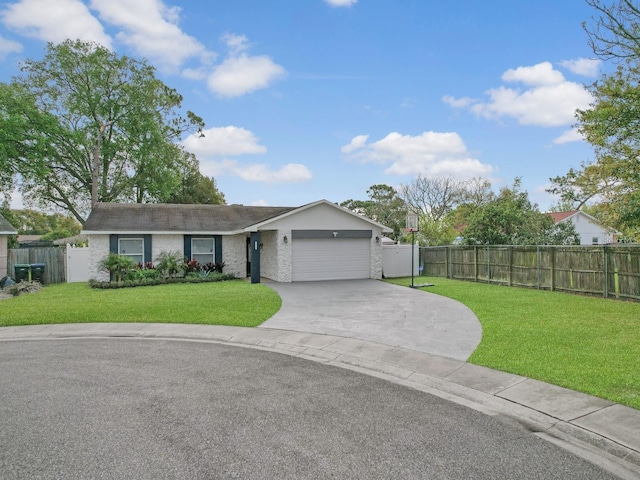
(311, 99)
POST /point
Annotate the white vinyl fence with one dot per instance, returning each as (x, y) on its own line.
(77, 264)
(396, 260)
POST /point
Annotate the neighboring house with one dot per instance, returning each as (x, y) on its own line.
(33, 241)
(5, 230)
(318, 241)
(590, 231)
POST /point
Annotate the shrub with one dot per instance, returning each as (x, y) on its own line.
(171, 264)
(141, 273)
(141, 282)
(118, 266)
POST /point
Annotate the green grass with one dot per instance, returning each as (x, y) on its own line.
(583, 343)
(234, 302)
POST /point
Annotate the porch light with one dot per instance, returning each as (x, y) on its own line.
(286, 240)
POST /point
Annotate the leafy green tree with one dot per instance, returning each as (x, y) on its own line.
(611, 124)
(511, 219)
(32, 222)
(81, 111)
(194, 187)
(383, 206)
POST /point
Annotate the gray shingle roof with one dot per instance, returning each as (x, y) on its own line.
(163, 217)
(6, 227)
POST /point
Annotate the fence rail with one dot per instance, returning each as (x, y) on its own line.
(53, 258)
(606, 270)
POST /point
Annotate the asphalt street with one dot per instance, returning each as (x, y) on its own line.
(115, 408)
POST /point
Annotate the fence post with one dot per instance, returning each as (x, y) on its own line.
(488, 264)
(538, 265)
(605, 266)
(552, 265)
(510, 250)
(475, 263)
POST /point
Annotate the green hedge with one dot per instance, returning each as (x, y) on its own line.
(145, 282)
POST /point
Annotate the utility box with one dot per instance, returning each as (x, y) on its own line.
(22, 271)
(37, 272)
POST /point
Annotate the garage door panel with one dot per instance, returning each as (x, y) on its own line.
(331, 259)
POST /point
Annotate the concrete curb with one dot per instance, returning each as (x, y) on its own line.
(576, 421)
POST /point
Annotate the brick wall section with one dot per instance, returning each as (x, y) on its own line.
(98, 249)
(234, 255)
(166, 243)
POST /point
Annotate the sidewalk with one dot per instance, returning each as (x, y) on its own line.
(574, 420)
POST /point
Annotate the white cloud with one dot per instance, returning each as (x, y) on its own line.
(233, 141)
(458, 102)
(236, 43)
(221, 141)
(257, 172)
(548, 101)
(242, 74)
(54, 21)
(8, 46)
(588, 67)
(357, 142)
(341, 3)
(150, 28)
(537, 75)
(430, 153)
(569, 136)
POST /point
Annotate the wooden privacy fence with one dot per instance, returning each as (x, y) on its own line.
(606, 270)
(52, 257)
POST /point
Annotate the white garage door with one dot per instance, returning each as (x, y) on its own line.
(330, 259)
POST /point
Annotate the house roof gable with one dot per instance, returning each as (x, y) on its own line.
(6, 228)
(560, 216)
(164, 217)
(314, 204)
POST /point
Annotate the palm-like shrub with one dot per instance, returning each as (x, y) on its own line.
(117, 265)
(171, 264)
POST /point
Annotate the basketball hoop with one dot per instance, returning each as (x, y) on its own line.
(412, 222)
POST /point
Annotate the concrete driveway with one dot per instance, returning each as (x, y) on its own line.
(379, 312)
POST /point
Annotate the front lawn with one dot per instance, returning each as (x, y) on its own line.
(583, 343)
(234, 302)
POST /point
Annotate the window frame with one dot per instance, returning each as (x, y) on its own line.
(212, 252)
(134, 256)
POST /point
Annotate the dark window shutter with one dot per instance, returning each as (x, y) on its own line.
(147, 248)
(218, 248)
(187, 247)
(113, 243)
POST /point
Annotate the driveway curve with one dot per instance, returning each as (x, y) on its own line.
(378, 312)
